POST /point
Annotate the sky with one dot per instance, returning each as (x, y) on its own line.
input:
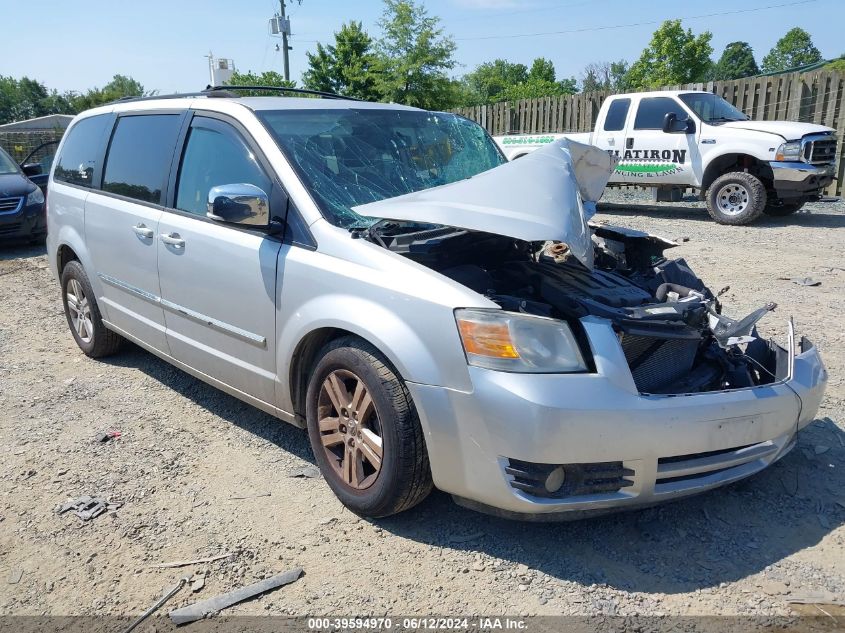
(163, 43)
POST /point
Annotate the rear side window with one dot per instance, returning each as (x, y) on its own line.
(651, 112)
(139, 156)
(77, 163)
(215, 155)
(617, 113)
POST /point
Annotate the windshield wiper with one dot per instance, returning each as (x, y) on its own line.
(723, 119)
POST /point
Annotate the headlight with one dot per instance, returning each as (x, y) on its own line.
(35, 197)
(508, 341)
(789, 151)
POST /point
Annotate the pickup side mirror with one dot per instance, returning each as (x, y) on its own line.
(239, 203)
(31, 169)
(673, 125)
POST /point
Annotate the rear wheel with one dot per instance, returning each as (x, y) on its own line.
(736, 198)
(780, 209)
(364, 431)
(83, 314)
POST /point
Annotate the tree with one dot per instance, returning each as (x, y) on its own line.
(673, 56)
(414, 57)
(267, 78)
(737, 61)
(489, 80)
(793, 49)
(347, 67)
(605, 76)
(120, 86)
(542, 70)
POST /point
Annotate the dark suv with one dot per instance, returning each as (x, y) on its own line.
(21, 203)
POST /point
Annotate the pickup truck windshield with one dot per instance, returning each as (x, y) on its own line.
(354, 156)
(711, 108)
(7, 165)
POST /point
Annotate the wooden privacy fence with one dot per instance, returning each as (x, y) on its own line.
(816, 97)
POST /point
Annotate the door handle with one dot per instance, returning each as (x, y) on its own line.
(629, 142)
(173, 240)
(141, 230)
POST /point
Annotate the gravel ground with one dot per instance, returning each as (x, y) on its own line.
(187, 450)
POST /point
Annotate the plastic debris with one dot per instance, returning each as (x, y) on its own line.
(308, 472)
(87, 508)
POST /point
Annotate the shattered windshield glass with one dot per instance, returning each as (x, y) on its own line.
(712, 108)
(349, 157)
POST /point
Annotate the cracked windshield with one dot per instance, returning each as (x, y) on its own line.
(352, 157)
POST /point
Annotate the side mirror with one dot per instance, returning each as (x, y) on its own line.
(31, 169)
(673, 125)
(240, 203)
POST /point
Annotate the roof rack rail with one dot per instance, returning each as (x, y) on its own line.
(301, 91)
(229, 92)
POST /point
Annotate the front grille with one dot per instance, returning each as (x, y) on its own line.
(8, 229)
(820, 152)
(579, 479)
(10, 205)
(680, 472)
(656, 363)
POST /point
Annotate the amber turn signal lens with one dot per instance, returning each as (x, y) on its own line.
(487, 339)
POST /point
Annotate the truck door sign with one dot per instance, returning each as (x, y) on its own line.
(650, 163)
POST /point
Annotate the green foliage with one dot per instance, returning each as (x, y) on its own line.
(605, 76)
(837, 65)
(120, 86)
(347, 67)
(793, 49)
(673, 56)
(737, 61)
(413, 57)
(267, 78)
(542, 70)
(501, 80)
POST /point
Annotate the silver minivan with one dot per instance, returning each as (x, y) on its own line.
(432, 314)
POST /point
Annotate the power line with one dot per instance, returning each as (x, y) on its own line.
(500, 36)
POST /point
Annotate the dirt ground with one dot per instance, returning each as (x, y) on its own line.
(188, 454)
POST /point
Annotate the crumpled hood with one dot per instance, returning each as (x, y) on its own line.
(541, 196)
(788, 130)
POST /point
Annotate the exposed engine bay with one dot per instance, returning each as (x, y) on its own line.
(670, 325)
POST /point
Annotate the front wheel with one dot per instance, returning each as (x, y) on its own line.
(365, 432)
(779, 209)
(736, 198)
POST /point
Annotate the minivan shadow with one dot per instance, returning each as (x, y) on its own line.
(811, 218)
(17, 249)
(721, 536)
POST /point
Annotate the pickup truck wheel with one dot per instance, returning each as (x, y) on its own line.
(736, 198)
(783, 208)
(365, 432)
(83, 314)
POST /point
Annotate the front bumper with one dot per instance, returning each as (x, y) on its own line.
(673, 446)
(799, 179)
(25, 222)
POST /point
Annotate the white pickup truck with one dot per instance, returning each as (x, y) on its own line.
(672, 140)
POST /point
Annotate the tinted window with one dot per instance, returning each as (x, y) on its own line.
(616, 115)
(81, 151)
(139, 156)
(215, 155)
(651, 112)
(7, 165)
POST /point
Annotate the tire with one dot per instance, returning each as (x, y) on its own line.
(93, 337)
(736, 198)
(403, 476)
(781, 209)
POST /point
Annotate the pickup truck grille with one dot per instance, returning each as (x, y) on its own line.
(820, 151)
(10, 205)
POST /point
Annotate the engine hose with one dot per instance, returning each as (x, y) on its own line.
(665, 289)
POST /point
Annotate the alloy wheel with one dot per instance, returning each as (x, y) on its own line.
(733, 199)
(350, 431)
(80, 311)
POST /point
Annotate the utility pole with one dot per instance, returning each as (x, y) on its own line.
(285, 47)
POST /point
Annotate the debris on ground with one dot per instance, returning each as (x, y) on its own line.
(200, 610)
(15, 576)
(105, 436)
(87, 507)
(185, 563)
(308, 472)
(167, 596)
(802, 281)
(255, 496)
(197, 582)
